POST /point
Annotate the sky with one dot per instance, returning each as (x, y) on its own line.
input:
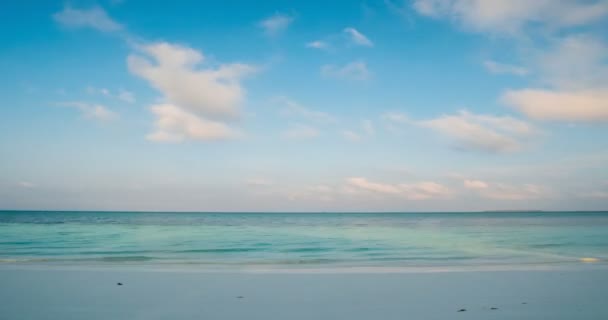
(388, 105)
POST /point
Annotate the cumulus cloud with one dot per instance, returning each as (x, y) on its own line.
(94, 17)
(511, 16)
(173, 124)
(358, 38)
(416, 191)
(575, 71)
(356, 70)
(573, 106)
(200, 97)
(276, 24)
(481, 132)
(290, 108)
(503, 68)
(91, 110)
(301, 131)
(569, 62)
(177, 72)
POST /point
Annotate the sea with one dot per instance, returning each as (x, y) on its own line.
(295, 241)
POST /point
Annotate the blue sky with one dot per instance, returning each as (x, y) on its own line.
(419, 105)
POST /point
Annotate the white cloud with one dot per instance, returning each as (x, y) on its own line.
(416, 191)
(584, 106)
(176, 72)
(502, 68)
(576, 71)
(358, 38)
(511, 16)
(276, 24)
(318, 44)
(94, 17)
(92, 111)
(502, 191)
(475, 184)
(291, 108)
(199, 97)
(356, 70)
(300, 132)
(482, 132)
(363, 183)
(173, 124)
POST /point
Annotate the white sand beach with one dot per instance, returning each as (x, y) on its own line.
(51, 293)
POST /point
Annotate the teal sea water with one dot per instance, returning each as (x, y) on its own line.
(304, 239)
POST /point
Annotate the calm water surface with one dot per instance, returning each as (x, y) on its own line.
(303, 239)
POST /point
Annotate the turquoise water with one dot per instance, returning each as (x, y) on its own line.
(304, 239)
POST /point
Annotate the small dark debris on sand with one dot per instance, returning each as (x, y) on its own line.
(119, 284)
(462, 310)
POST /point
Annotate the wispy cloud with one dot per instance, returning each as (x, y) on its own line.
(318, 44)
(123, 95)
(416, 191)
(358, 38)
(290, 108)
(94, 17)
(351, 135)
(27, 184)
(505, 191)
(469, 131)
(300, 132)
(92, 111)
(277, 24)
(503, 68)
(367, 130)
(259, 182)
(475, 184)
(356, 70)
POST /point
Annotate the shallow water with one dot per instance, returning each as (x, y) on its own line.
(305, 239)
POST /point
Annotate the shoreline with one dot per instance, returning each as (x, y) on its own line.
(305, 269)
